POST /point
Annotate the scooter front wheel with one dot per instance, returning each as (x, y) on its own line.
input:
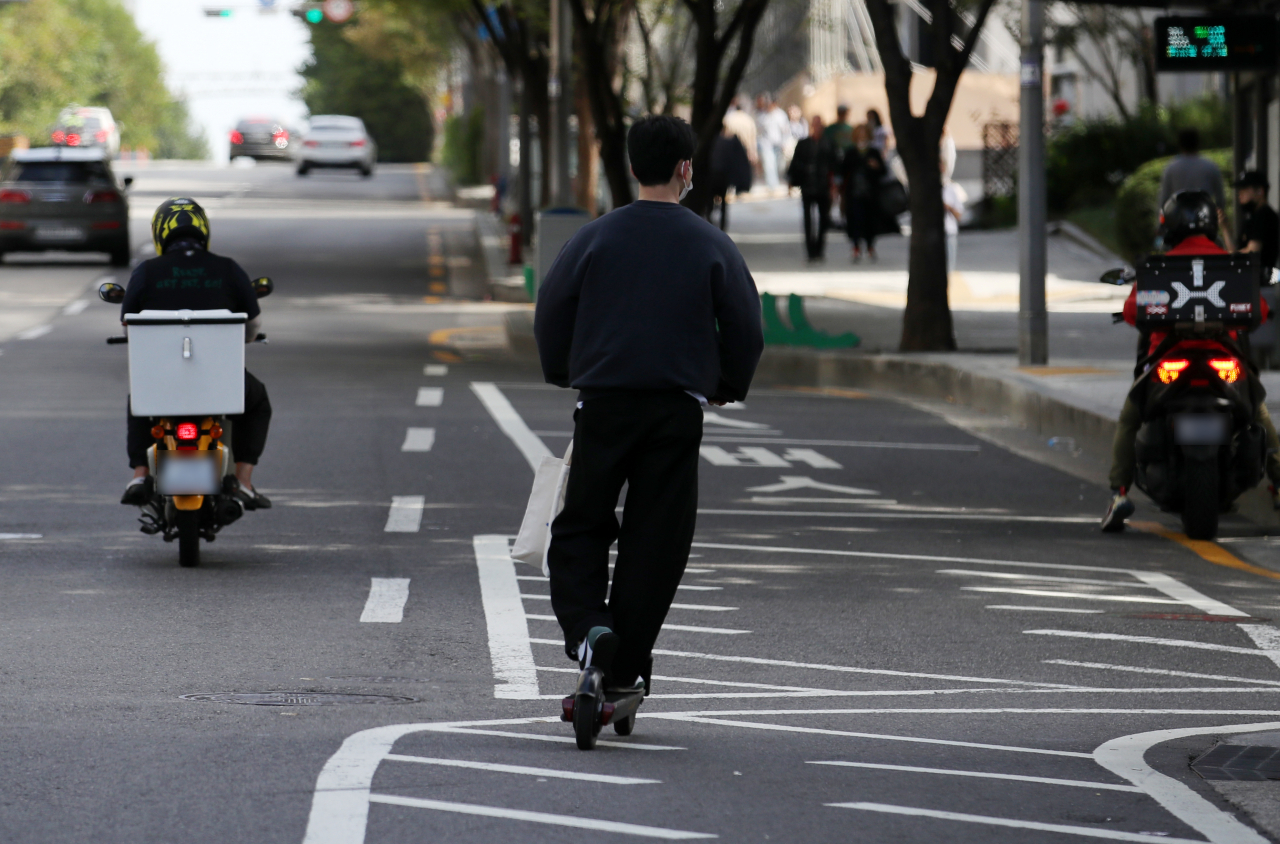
(188, 524)
(586, 721)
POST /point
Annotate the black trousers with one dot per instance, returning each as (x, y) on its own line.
(648, 440)
(817, 219)
(248, 429)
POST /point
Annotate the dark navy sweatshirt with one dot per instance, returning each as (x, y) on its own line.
(650, 297)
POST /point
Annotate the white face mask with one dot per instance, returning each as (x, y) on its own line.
(688, 186)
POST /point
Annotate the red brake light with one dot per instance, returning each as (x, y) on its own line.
(100, 136)
(1228, 369)
(1169, 370)
(101, 196)
(12, 225)
(311, 143)
(280, 135)
(73, 139)
(358, 143)
(188, 431)
(14, 196)
(236, 137)
(58, 136)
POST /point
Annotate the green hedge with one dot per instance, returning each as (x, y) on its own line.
(1137, 214)
(463, 145)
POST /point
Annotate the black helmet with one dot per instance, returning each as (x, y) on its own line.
(1187, 213)
(179, 217)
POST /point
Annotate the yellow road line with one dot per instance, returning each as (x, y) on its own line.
(1209, 551)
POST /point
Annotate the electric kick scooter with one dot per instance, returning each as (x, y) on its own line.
(592, 706)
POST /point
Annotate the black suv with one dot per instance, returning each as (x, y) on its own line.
(261, 138)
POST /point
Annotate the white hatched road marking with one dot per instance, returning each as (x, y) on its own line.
(1150, 640)
(21, 536)
(419, 439)
(787, 483)
(683, 628)
(1104, 786)
(511, 423)
(435, 369)
(405, 515)
(1184, 593)
(608, 779)
(509, 649)
(1051, 593)
(1265, 637)
(430, 396)
(387, 597)
(1065, 829)
(1041, 609)
(1164, 671)
(716, 419)
(1048, 578)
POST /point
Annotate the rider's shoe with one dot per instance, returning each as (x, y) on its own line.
(138, 492)
(1118, 510)
(635, 688)
(251, 498)
(598, 649)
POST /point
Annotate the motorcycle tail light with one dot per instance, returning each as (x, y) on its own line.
(15, 196)
(215, 431)
(188, 431)
(1228, 369)
(157, 432)
(1169, 370)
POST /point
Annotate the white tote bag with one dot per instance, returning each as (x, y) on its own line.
(545, 503)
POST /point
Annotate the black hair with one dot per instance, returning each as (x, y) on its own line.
(872, 114)
(656, 144)
(1189, 141)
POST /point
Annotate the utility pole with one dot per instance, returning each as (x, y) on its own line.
(1033, 321)
(559, 90)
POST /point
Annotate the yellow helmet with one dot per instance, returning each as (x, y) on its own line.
(179, 216)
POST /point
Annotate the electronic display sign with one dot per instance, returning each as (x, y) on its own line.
(1217, 42)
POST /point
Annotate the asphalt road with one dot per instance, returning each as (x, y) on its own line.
(891, 630)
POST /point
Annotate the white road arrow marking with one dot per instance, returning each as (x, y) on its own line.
(717, 419)
(789, 482)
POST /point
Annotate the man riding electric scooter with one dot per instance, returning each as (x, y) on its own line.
(186, 275)
(1189, 221)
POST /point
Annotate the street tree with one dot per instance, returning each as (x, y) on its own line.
(926, 322)
(600, 27)
(1113, 46)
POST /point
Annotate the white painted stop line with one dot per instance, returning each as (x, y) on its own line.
(430, 396)
(387, 597)
(419, 439)
(406, 514)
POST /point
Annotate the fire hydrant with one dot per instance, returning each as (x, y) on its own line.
(515, 254)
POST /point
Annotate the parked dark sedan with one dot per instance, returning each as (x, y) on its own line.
(261, 138)
(63, 198)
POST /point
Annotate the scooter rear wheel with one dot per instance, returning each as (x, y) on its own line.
(188, 523)
(586, 721)
(625, 726)
(1200, 499)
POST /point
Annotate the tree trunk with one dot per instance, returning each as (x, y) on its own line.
(586, 183)
(597, 40)
(926, 322)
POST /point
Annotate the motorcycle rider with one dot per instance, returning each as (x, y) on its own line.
(1189, 221)
(185, 274)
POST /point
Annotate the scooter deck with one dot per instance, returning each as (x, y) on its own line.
(616, 707)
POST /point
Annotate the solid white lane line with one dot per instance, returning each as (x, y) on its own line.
(387, 597)
(419, 439)
(689, 588)
(890, 514)
(608, 779)
(470, 731)
(21, 536)
(1065, 829)
(707, 607)
(405, 515)
(1051, 593)
(1048, 578)
(509, 649)
(1183, 593)
(839, 668)
(1266, 637)
(75, 307)
(929, 558)
(1133, 669)
(1148, 640)
(843, 443)
(1126, 758)
(684, 628)
(430, 396)
(510, 422)
(1104, 786)
(34, 333)
(540, 817)
(435, 369)
(1041, 609)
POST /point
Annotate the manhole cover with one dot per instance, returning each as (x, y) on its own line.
(297, 698)
(1239, 762)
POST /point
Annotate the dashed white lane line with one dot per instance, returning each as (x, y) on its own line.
(435, 369)
(1053, 593)
(692, 588)
(405, 515)
(1134, 669)
(1041, 609)
(419, 439)
(1101, 786)
(551, 773)
(1047, 578)
(75, 307)
(1183, 593)
(629, 745)
(387, 597)
(511, 423)
(430, 396)
(509, 643)
(34, 333)
(21, 536)
(1065, 829)
(683, 628)
(541, 817)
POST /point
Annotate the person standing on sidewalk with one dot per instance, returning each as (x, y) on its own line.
(649, 312)
(1259, 225)
(772, 129)
(810, 171)
(1189, 171)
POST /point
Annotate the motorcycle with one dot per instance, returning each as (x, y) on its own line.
(1199, 447)
(186, 374)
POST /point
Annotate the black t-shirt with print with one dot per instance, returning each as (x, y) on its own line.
(187, 276)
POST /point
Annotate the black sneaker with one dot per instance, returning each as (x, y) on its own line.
(251, 498)
(139, 491)
(636, 688)
(598, 649)
(1118, 510)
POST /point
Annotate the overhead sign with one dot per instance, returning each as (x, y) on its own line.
(1217, 42)
(338, 11)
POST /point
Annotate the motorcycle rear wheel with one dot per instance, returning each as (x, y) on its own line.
(1200, 499)
(188, 523)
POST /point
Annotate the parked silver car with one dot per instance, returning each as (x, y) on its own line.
(63, 198)
(335, 140)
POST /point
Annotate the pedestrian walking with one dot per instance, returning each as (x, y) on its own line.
(772, 130)
(953, 200)
(862, 171)
(839, 137)
(1189, 171)
(741, 125)
(880, 136)
(730, 168)
(649, 312)
(1259, 223)
(810, 171)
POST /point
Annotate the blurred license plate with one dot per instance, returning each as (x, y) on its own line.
(59, 233)
(1200, 429)
(188, 476)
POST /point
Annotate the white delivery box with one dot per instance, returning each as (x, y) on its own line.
(186, 363)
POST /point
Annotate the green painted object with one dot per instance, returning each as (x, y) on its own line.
(800, 332)
(530, 283)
